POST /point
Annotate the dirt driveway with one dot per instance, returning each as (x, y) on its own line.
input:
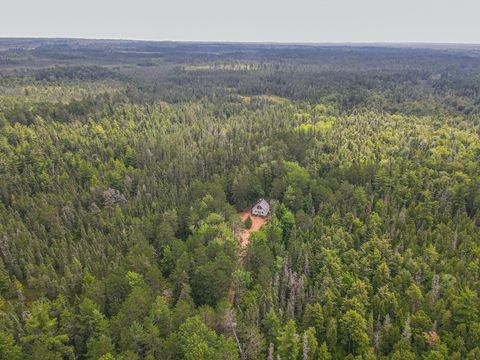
(257, 223)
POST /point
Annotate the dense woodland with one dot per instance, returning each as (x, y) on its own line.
(123, 166)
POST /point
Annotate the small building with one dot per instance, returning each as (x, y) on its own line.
(262, 208)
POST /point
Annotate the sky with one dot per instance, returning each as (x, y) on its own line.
(317, 21)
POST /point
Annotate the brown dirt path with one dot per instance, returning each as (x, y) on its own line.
(257, 223)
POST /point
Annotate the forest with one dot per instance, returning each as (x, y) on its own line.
(124, 166)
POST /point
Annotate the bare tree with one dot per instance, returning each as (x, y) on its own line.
(270, 351)
(231, 324)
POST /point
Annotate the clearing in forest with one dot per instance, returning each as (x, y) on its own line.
(257, 223)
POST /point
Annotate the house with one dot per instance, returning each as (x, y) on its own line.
(262, 207)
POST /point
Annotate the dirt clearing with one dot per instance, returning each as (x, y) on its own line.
(257, 223)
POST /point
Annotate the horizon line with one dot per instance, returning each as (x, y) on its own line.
(259, 42)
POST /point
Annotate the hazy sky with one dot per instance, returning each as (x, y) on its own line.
(246, 20)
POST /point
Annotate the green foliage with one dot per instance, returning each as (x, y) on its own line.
(8, 348)
(196, 341)
(354, 335)
(248, 223)
(288, 341)
(120, 185)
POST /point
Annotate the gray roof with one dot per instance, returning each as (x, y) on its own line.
(263, 203)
